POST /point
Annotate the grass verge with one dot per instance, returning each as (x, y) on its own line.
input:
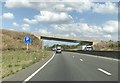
(14, 61)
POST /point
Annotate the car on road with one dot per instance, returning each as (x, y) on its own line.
(58, 50)
(54, 49)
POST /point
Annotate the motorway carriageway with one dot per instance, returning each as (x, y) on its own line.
(69, 66)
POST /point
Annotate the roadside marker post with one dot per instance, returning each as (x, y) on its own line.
(27, 40)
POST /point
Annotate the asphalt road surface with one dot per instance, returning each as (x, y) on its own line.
(77, 67)
(69, 66)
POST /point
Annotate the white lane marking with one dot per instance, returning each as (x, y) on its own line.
(104, 71)
(81, 59)
(27, 79)
(73, 56)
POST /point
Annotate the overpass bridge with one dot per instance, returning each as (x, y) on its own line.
(64, 39)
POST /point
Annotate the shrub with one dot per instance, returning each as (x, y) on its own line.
(9, 65)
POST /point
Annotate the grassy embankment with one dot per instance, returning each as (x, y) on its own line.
(14, 61)
(14, 54)
(107, 46)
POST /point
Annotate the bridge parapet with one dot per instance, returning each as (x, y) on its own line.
(65, 39)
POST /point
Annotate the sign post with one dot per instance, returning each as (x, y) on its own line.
(27, 47)
(27, 40)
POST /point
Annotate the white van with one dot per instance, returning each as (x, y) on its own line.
(85, 48)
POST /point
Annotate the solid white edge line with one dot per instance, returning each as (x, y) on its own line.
(27, 79)
(102, 57)
(104, 71)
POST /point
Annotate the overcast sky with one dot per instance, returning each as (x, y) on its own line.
(86, 20)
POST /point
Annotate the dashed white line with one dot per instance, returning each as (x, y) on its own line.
(105, 72)
(73, 56)
(27, 79)
(81, 59)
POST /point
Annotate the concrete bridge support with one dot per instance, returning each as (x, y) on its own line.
(42, 43)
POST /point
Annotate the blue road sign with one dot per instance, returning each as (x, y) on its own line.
(27, 40)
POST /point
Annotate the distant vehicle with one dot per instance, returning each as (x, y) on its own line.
(54, 49)
(85, 48)
(58, 49)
